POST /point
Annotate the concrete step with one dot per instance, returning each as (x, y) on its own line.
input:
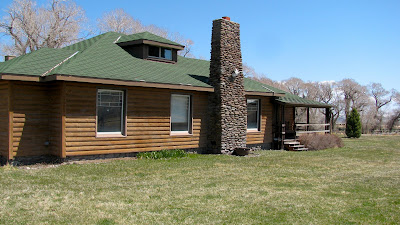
(301, 149)
(291, 143)
(298, 146)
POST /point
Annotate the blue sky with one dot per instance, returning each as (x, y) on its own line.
(312, 40)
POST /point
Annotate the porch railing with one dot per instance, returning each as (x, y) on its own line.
(308, 128)
(295, 130)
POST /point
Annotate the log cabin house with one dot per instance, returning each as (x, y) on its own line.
(118, 94)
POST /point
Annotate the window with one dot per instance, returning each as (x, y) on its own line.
(159, 52)
(110, 112)
(181, 118)
(253, 114)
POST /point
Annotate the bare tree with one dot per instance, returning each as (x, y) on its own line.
(354, 94)
(188, 43)
(295, 86)
(119, 20)
(381, 98)
(31, 27)
(63, 22)
(395, 117)
(328, 93)
(250, 72)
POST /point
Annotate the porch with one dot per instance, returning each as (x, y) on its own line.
(293, 119)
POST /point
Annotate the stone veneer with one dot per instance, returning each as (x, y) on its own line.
(227, 105)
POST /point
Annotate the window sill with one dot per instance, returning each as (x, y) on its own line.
(151, 58)
(253, 131)
(109, 135)
(180, 133)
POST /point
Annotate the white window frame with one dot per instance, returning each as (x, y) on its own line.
(189, 114)
(121, 133)
(258, 116)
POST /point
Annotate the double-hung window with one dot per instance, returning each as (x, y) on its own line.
(253, 114)
(181, 115)
(110, 112)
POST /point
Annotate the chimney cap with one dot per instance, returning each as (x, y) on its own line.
(226, 18)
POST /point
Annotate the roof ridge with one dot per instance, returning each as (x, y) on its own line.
(69, 57)
(94, 40)
(83, 53)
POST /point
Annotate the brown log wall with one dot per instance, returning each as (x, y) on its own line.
(265, 133)
(55, 100)
(38, 109)
(31, 110)
(148, 121)
(4, 118)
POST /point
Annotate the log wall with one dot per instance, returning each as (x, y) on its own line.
(31, 109)
(55, 101)
(265, 133)
(148, 121)
(60, 119)
(4, 118)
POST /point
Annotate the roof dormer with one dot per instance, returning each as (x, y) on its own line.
(149, 46)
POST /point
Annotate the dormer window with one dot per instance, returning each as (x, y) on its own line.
(159, 52)
(149, 46)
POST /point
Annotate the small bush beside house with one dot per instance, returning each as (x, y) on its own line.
(318, 141)
(353, 124)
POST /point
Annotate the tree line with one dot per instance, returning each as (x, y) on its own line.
(62, 22)
(379, 108)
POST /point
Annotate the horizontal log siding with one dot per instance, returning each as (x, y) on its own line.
(54, 118)
(265, 133)
(4, 118)
(30, 104)
(148, 121)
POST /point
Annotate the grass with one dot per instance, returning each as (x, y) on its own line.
(163, 154)
(357, 184)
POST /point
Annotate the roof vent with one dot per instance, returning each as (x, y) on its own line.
(226, 18)
(9, 57)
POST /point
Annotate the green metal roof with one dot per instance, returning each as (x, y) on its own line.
(252, 85)
(100, 57)
(83, 45)
(35, 63)
(106, 60)
(299, 101)
(145, 36)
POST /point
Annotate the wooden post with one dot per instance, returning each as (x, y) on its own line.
(10, 122)
(283, 125)
(294, 122)
(328, 119)
(308, 119)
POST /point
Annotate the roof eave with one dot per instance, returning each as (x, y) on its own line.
(149, 42)
(304, 105)
(20, 77)
(126, 83)
(264, 93)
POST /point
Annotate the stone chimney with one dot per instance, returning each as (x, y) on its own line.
(9, 57)
(227, 105)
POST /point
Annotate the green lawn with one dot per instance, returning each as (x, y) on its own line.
(359, 184)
